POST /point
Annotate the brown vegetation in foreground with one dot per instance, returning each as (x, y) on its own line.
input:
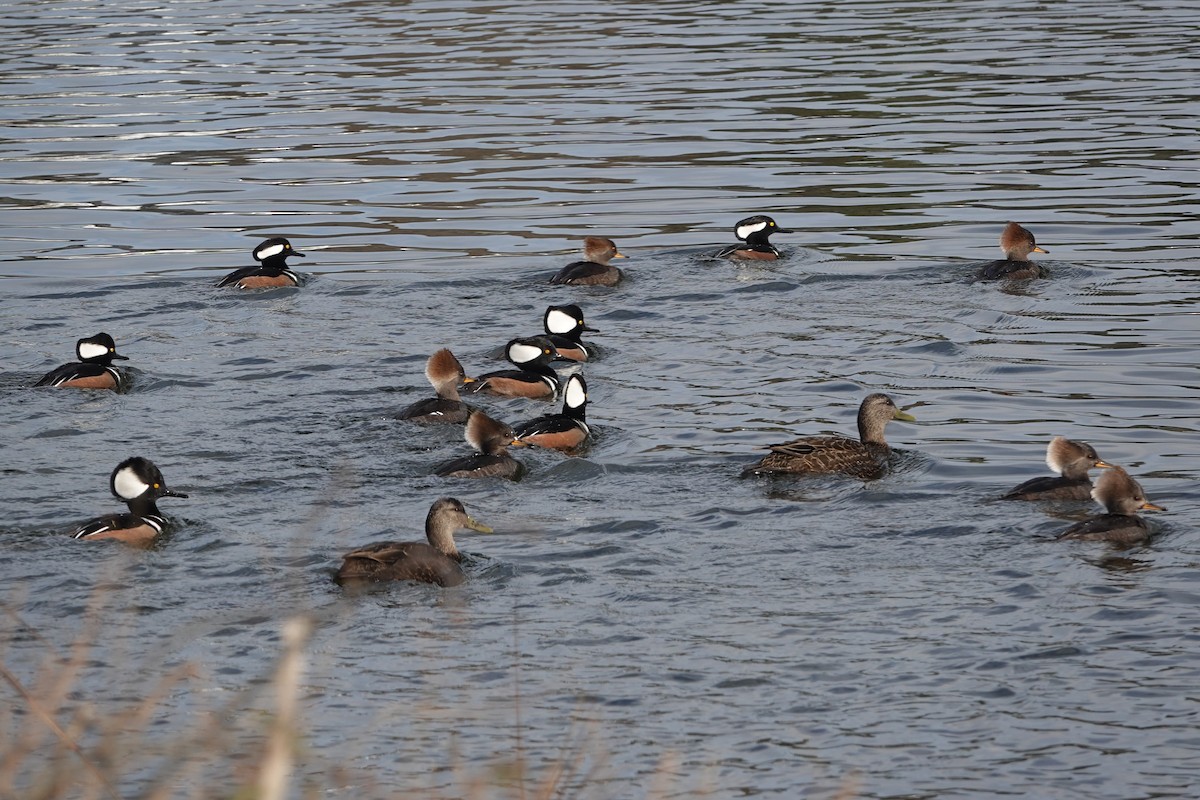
(55, 743)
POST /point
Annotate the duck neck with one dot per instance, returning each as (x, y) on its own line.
(1073, 471)
(539, 367)
(144, 506)
(448, 391)
(496, 446)
(870, 431)
(758, 241)
(440, 532)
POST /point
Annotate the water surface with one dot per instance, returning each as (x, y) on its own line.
(641, 613)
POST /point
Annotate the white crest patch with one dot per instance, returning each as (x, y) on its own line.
(129, 485)
(522, 353)
(267, 252)
(744, 231)
(574, 396)
(560, 322)
(91, 350)
(1056, 454)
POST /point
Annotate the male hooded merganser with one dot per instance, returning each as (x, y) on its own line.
(491, 439)
(94, 370)
(437, 562)
(446, 374)
(595, 269)
(865, 458)
(754, 231)
(1122, 497)
(139, 483)
(564, 431)
(564, 327)
(1017, 243)
(1071, 460)
(534, 378)
(272, 269)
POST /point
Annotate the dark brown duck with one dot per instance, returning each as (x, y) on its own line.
(1122, 497)
(594, 270)
(446, 374)
(491, 439)
(1071, 460)
(1017, 243)
(438, 562)
(865, 458)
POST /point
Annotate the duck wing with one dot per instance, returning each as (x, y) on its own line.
(824, 454)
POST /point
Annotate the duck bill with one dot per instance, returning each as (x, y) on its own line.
(1148, 506)
(903, 416)
(1037, 249)
(589, 328)
(296, 253)
(171, 493)
(466, 380)
(519, 443)
(781, 230)
(619, 255)
(118, 357)
(1103, 465)
(478, 527)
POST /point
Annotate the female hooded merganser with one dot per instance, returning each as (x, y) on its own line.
(595, 269)
(865, 458)
(754, 231)
(446, 374)
(1122, 497)
(491, 439)
(139, 483)
(1017, 243)
(94, 370)
(564, 431)
(272, 269)
(534, 378)
(1071, 460)
(564, 327)
(437, 562)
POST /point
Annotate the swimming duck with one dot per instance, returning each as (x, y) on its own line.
(139, 483)
(491, 439)
(1122, 497)
(754, 232)
(534, 376)
(437, 562)
(564, 328)
(865, 458)
(94, 370)
(446, 374)
(1017, 243)
(595, 269)
(272, 269)
(564, 431)
(1071, 460)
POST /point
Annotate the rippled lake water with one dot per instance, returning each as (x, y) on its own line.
(642, 616)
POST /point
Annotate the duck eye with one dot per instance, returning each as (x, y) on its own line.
(156, 486)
